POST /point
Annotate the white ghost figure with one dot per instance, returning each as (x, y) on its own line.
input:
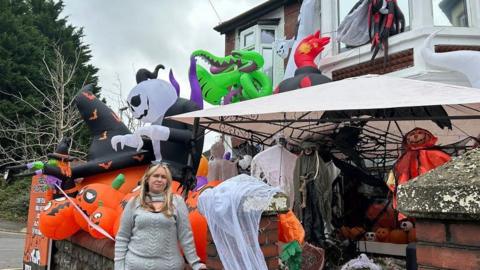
(463, 61)
(282, 47)
(149, 100)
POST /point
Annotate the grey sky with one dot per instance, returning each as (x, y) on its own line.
(125, 35)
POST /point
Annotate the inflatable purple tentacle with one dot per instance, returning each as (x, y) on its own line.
(174, 82)
(196, 92)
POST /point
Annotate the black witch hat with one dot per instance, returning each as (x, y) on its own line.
(103, 124)
(62, 150)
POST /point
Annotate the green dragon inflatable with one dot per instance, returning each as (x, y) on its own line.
(232, 78)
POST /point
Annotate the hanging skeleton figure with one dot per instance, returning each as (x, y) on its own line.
(383, 19)
(150, 101)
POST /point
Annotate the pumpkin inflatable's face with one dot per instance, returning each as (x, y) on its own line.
(56, 219)
(105, 218)
(419, 137)
(89, 196)
(382, 234)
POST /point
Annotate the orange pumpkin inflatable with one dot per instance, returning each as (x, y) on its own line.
(90, 195)
(56, 219)
(105, 218)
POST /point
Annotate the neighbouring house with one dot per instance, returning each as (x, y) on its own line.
(459, 20)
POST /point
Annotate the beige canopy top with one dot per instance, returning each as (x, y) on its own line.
(298, 114)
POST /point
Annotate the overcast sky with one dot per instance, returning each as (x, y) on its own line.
(126, 35)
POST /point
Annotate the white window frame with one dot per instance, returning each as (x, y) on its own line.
(258, 47)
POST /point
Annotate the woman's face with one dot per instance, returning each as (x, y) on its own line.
(157, 182)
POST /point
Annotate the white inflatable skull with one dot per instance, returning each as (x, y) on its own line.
(150, 100)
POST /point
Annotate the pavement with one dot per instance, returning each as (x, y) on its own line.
(12, 241)
(11, 226)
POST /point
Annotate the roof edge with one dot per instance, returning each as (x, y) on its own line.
(250, 15)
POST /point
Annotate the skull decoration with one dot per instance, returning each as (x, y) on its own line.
(370, 236)
(149, 100)
(406, 225)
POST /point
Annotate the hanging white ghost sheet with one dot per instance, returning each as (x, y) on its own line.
(233, 210)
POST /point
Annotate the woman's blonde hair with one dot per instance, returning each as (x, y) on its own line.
(145, 199)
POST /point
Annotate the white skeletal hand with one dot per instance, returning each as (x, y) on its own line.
(154, 132)
(131, 140)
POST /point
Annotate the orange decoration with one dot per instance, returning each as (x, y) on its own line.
(290, 228)
(398, 236)
(356, 233)
(382, 234)
(116, 224)
(105, 165)
(104, 217)
(203, 167)
(56, 219)
(387, 219)
(345, 232)
(94, 115)
(412, 235)
(89, 197)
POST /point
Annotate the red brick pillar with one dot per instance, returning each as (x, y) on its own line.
(267, 237)
(446, 205)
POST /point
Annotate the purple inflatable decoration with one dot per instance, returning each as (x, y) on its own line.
(201, 181)
(174, 82)
(196, 92)
(227, 155)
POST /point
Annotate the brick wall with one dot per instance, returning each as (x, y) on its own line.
(229, 42)
(291, 12)
(448, 245)
(267, 237)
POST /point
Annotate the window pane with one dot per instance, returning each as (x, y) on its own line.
(450, 13)
(267, 54)
(267, 36)
(249, 39)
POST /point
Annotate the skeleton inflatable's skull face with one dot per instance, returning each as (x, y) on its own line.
(149, 100)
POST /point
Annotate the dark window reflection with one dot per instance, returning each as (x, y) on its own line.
(450, 13)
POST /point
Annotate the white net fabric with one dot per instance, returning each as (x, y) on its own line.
(233, 210)
(353, 30)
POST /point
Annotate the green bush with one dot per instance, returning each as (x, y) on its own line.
(14, 200)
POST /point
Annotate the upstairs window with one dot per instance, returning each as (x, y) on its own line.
(450, 13)
(260, 38)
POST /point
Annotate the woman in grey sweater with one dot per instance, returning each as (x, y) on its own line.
(152, 227)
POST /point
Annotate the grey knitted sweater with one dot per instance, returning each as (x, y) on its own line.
(148, 240)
